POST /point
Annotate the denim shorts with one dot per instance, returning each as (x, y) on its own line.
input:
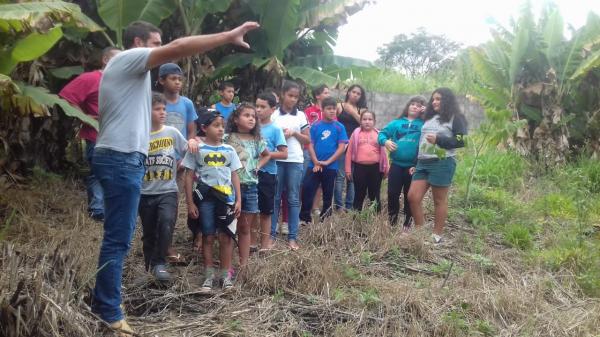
(437, 172)
(206, 208)
(249, 198)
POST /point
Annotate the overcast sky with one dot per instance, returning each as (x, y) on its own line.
(465, 21)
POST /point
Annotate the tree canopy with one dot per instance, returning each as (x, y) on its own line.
(418, 53)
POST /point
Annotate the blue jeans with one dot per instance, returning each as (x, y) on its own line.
(94, 189)
(120, 175)
(312, 181)
(340, 181)
(289, 178)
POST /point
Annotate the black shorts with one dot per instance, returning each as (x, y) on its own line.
(267, 184)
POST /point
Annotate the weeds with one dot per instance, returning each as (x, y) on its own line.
(354, 275)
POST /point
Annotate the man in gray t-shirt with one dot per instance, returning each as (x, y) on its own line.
(125, 103)
(122, 145)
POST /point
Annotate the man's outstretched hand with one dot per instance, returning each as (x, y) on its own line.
(237, 34)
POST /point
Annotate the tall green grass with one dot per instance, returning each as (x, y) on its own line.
(550, 215)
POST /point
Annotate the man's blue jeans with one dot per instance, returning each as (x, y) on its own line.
(94, 189)
(340, 182)
(120, 175)
(289, 178)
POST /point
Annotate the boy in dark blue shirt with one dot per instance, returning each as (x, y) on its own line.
(328, 141)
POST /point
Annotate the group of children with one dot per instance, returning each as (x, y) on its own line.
(238, 161)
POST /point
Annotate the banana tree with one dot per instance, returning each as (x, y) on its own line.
(117, 14)
(27, 32)
(531, 72)
(296, 40)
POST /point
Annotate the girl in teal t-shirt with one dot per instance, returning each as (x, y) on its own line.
(243, 134)
(401, 138)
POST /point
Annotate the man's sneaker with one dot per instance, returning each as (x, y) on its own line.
(437, 239)
(123, 329)
(97, 217)
(161, 274)
(208, 283)
(304, 223)
(284, 228)
(227, 282)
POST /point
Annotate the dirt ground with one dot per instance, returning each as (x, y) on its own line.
(353, 276)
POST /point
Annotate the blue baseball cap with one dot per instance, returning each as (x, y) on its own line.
(169, 69)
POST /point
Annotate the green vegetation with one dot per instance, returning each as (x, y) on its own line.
(551, 216)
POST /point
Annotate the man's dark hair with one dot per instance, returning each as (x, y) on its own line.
(139, 29)
(319, 90)
(225, 85)
(269, 97)
(328, 101)
(108, 49)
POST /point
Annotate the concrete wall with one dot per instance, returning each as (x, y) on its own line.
(389, 106)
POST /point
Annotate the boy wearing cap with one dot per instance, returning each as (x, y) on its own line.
(180, 109)
(180, 115)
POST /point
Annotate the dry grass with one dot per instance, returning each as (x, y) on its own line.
(353, 276)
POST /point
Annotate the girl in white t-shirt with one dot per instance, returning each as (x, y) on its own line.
(289, 171)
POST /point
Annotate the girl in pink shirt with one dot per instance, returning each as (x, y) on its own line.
(366, 162)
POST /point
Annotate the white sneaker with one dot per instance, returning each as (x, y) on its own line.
(284, 228)
(437, 239)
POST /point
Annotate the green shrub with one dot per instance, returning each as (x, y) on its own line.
(580, 257)
(369, 297)
(493, 205)
(481, 217)
(494, 169)
(588, 171)
(556, 205)
(518, 236)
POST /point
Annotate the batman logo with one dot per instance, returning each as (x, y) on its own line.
(215, 159)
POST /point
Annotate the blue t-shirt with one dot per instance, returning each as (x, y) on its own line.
(180, 114)
(273, 136)
(225, 111)
(325, 137)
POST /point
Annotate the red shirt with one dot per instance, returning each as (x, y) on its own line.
(83, 93)
(313, 114)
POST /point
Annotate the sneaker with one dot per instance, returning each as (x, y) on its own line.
(284, 228)
(304, 223)
(161, 274)
(208, 283)
(123, 329)
(437, 239)
(227, 282)
(407, 222)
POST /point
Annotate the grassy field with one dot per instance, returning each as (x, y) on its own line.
(521, 258)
